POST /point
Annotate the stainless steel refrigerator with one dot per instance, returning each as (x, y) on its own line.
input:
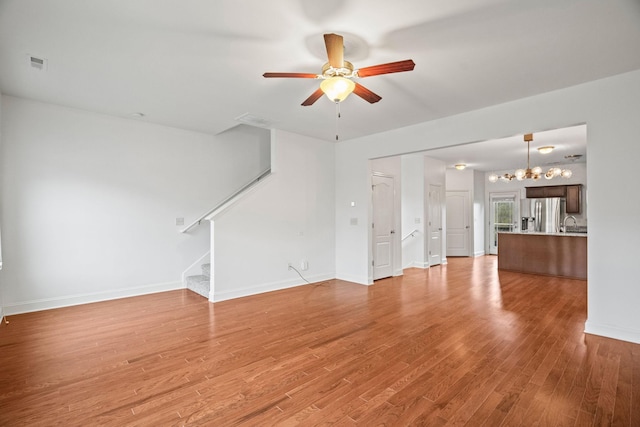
(546, 214)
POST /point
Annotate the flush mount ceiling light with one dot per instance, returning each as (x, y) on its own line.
(460, 166)
(531, 173)
(546, 149)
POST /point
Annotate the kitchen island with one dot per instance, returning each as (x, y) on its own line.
(551, 254)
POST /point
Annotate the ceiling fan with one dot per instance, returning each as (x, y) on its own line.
(337, 74)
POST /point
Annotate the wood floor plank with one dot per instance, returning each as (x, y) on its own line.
(458, 344)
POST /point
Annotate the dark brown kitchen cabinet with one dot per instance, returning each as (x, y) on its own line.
(574, 198)
(535, 192)
(573, 194)
(555, 191)
(546, 191)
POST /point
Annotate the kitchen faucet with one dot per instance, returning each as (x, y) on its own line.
(564, 222)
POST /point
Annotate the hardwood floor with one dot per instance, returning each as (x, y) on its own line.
(453, 345)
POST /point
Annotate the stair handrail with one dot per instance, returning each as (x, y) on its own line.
(410, 234)
(235, 194)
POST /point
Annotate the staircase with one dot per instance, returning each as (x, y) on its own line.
(201, 283)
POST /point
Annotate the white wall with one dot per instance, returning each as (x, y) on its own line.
(610, 108)
(479, 209)
(413, 214)
(290, 217)
(459, 180)
(1, 299)
(89, 201)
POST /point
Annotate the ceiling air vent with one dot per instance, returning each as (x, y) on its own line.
(37, 63)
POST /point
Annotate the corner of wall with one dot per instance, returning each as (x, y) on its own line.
(615, 332)
(1, 180)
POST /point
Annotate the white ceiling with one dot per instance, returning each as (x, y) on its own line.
(198, 64)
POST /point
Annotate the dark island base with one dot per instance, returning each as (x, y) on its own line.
(549, 255)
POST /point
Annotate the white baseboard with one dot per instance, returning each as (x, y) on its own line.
(69, 300)
(417, 264)
(354, 279)
(268, 287)
(614, 332)
(479, 253)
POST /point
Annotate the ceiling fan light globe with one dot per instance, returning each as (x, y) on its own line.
(337, 88)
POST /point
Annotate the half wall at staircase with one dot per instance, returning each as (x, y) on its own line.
(90, 201)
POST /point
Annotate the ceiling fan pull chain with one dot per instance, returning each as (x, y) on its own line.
(337, 117)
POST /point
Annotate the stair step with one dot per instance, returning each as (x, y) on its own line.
(206, 269)
(199, 284)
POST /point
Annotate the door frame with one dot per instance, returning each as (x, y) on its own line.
(442, 228)
(516, 214)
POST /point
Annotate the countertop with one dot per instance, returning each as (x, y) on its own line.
(536, 233)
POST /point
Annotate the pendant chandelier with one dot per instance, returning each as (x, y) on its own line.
(531, 173)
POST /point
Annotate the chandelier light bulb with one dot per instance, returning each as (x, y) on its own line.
(493, 178)
(566, 173)
(537, 170)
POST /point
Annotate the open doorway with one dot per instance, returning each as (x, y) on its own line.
(503, 216)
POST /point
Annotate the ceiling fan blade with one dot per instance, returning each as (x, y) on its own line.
(366, 94)
(291, 75)
(313, 98)
(391, 67)
(335, 50)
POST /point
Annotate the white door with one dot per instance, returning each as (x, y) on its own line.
(435, 226)
(503, 217)
(458, 220)
(383, 223)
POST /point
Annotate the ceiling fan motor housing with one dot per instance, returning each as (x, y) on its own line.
(345, 71)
